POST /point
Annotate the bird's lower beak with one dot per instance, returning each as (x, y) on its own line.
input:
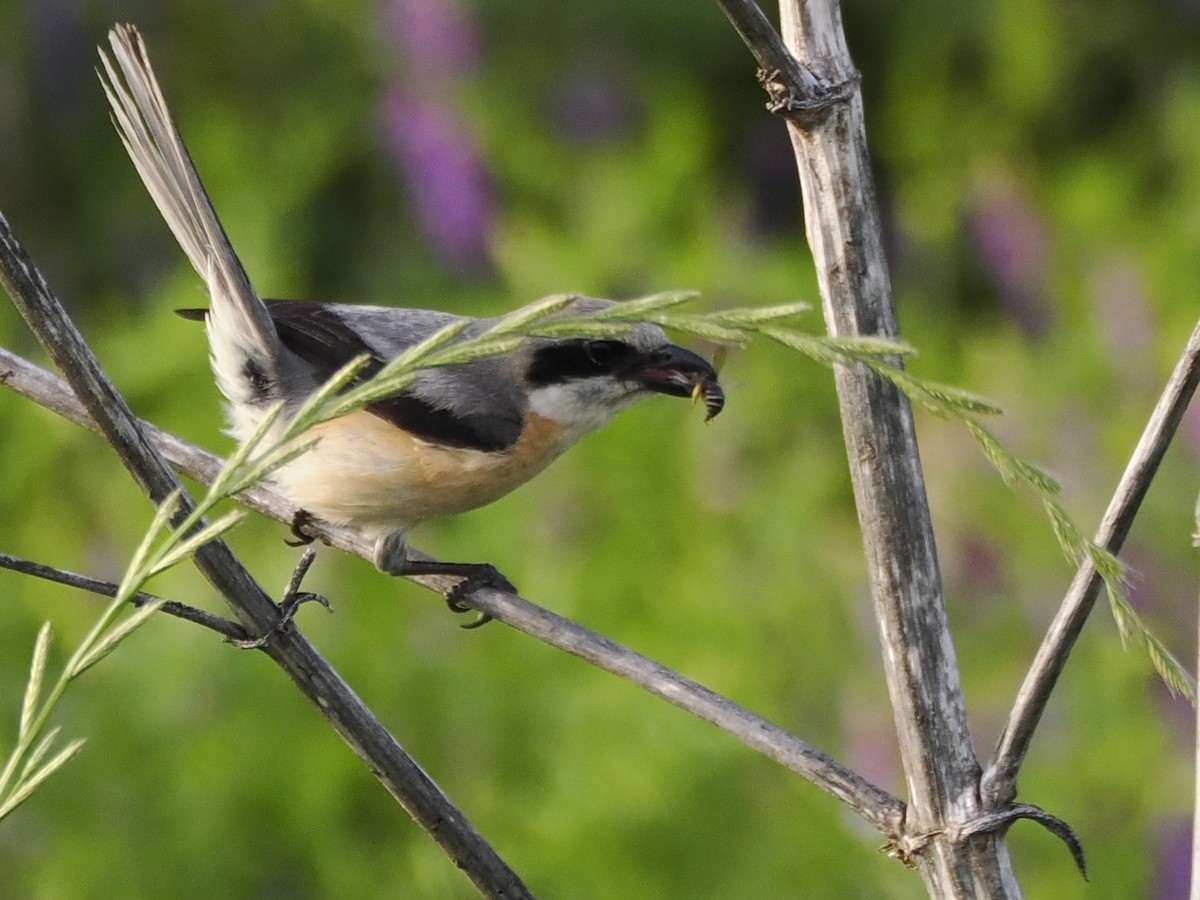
(681, 373)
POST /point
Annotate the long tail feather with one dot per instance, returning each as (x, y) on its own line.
(239, 325)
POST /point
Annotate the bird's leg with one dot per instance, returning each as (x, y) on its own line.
(474, 576)
(391, 556)
(293, 598)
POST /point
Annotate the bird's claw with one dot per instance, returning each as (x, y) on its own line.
(488, 576)
(300, 525)
(291, 601)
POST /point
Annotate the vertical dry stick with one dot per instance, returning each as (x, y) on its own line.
(842, 221)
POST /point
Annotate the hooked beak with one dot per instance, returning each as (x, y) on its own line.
(681, 373)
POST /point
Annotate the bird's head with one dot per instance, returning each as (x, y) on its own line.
(584, 382)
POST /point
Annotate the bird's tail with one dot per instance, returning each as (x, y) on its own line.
(242, 337)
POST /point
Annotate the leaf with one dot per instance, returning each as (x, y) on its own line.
(246, 447)
(995, 453)
(582, 328)
(1037, 478)
(1012, 469)
(755, 315)
(1072, 541)
(637, 309)
(113, 636)
(1174, 675)
(474, 349)
(384, 384)
(39, 752)
(958, 400)
(411, 358)
(808, 344)
(1106, 564)
(187, 546)
(162, 515)
(518, 320)
(701, 326)
(27, 787)
(37, 672)
(274, 458)
(869, 345)
(1131, 627)
(943, 400)
(312, 410)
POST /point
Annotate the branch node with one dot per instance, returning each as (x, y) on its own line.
(803, 104)
(907, 847)
(1001, 819)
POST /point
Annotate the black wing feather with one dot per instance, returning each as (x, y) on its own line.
(319, 336)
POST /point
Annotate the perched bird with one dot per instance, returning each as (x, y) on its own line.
(457, 438)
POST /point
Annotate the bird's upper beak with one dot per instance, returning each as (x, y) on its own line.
(681, 373)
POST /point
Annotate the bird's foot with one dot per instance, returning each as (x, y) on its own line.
(301, 529)
(291, 601)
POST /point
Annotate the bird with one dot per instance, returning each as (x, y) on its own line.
(457, 438)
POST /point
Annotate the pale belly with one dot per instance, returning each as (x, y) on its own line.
(367, 473)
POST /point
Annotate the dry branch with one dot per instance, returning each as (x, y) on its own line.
(842, 221)
(404, 779)
(1000, 782)
(878, 807)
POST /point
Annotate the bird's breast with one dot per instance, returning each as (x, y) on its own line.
(368, 473)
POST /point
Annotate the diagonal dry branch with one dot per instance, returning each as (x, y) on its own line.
(401, 775)
(1000, 780)
(884, 811)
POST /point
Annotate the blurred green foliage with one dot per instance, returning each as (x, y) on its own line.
(1038, 163)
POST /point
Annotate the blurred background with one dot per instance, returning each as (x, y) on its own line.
(1038, 165)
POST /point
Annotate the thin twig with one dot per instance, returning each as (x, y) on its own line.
(796, 91)
(766, 46)
(884, 811)
(1000, 780)
(222, 626)
(419, 795)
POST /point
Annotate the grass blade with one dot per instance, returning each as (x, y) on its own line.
(582, 328)
(866, 345)
(756, 315)
(189, 545)
(518, 321)
(702, 326)
(28, 786)
(162, 515)
(33, 689)
(39, 752)
(636, 310)
(114, 636)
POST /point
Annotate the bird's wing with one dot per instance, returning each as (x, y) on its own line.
(461, 406)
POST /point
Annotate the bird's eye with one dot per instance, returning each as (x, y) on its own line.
(604, 355)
